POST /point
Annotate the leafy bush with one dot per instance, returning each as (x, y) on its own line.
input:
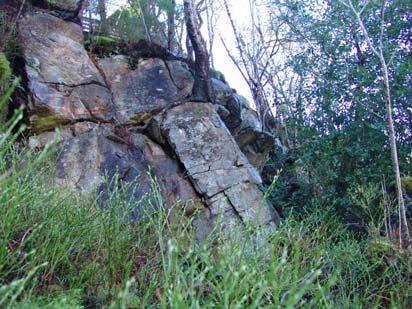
(218, 75)
(104, 41)
(407, 185)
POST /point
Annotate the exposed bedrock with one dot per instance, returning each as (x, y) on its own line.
(100, 156)
(243, 122)
(131, 120)
(145, 90)
(217, 167)
(64, 84)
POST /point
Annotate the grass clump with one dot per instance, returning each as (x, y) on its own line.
(5, 88)
(8, 84)
(60, 250)
(5, 72)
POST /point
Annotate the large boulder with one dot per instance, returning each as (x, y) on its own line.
(64, 83)
(65, 9)
(94, 158)
(243, 123)
(206, 148)
(141, 92)
(218, 169)
(127, 125)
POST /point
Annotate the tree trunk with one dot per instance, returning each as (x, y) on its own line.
(379, 53)
(101, 10)
(403, 222)
(201, 88)
(171, 25)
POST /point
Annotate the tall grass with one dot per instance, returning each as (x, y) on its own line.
(61, 250)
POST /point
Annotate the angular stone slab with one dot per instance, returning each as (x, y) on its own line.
(232, 209)
(141, 92)
(218, 169)
(206, 148)
(244, 124)
(65, 84)
(175, 185)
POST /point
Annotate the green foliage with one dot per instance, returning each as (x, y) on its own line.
(62, 250)
(129, 22)
(340, 123)
(407, 185)
(5, 72)
(7, 87)
(218, 75)
(104, 41)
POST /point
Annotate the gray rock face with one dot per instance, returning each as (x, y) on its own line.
(94, 155)
(221, 90)
(206, 148)
(64, 83)
(218, 169)
(176, 186)
(126, 123)
(65, 9)
(140, 93)
(244, 124)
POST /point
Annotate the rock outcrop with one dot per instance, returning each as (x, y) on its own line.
(125, 122)
(64, 83)
(243, 123)
(145, 90)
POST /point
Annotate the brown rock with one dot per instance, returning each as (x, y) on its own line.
(64, 83)
(142, 92)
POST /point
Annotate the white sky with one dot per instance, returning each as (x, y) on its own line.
(241, 13)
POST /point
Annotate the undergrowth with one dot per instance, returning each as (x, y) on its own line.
(62, 250)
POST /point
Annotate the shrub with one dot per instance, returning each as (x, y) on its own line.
(104, 41)
(218, 75)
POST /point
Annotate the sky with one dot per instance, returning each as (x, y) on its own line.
(241, 13)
